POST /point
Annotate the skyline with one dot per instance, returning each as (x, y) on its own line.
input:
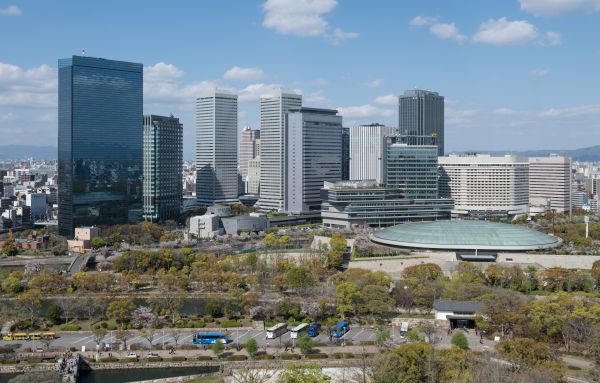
(515, 75)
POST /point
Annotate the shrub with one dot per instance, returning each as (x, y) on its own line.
(317, 355)
(70, 327)
(264, 357)
(112, 359)
(343, 355)
(412, 336)
(178, 359)
(205, 357)
(290, 356)
(34, 360)
(9, 361)
(111, 327)
(460, 340)
(230, 323)
(235, 358)
(188, 347)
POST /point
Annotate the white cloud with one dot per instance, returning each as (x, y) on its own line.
(576, 111)
(505, 112)
(35, 87)
(254, 92)
(541, 72)
(505, 32)
(7, 116)
(388, 99)
(47, 117)
(364, 111)
(448, 31)
(244, 74)
(418, 21)
(375, 83)
(303, 18)
(161, 72)
(456, 117)
(559, 7)
(317, 97)
(551, 38)
(11, 10)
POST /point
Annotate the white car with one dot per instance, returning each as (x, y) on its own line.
(132, 355)
(152, 355)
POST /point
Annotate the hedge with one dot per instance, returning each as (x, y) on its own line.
(343, 355)
(205, 357)
(236, 358)
(318, 355)
(290, 356)
(112, 359)
(178, 359)
(70, 327)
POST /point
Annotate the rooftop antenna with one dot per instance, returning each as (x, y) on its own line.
(83, 52)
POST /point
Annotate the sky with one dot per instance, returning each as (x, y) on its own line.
(515, 74)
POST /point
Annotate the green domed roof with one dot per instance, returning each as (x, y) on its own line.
(482, 235)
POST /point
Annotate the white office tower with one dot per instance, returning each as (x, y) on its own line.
(367, 152)
(216, 147)
(485, 186)
(313, 156)
(273, 108)
(252, 180)
(550, 177)
(248, 148)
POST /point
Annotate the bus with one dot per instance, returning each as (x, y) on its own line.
(210, 338)
(313, 330)
(403, 329)
(276, 331)
(340, 329)
(298, 330)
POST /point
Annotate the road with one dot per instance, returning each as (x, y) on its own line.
(86, 338)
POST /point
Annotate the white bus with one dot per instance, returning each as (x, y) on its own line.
(298, 330)
(403, 329)
(276, 331)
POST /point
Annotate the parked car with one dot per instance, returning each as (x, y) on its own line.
(152, 355)
(132, 355)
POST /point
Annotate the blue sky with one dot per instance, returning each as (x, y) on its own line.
(516, 74)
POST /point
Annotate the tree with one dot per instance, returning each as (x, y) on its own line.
(524, 352)
(143, 316)
(31, 302)
(120, 310)
(251, 347)
(54, 313)
(346, 294)
(217, 348)
(305, 344)
(98, 242)
(381, 337)
(302, 374)
(123, 336)
(99, 334)
(299, 278)
(387, 368)
(503, 312)
(176, 335)
(12, 284)
(460, 340)
(375, 300)
(9, 248)
(413, 361)
(425, 272)
(251, 374)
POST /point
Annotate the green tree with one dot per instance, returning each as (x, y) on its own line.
(299, 278)
(375, 300)
(346, 294)
(251, 347)
(460, 340)
(387, 368)
(120, 310)
(98, 242)
(9, 248)
(31, 302)
(305, 344)
(303, 374)
(503, 312)
(54, 313)
(524, 352)
(413, 361)
(381, 337)
(12, 284)
(99, 334)
(217, 348)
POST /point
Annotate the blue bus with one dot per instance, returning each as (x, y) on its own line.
(339, 330)
(313, 330)
(210, 338)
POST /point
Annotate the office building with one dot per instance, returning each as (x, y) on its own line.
(249, 148)
(345, 154)
(421, 118)
(216, 147)
(485, 186)
(313, 155)
(163, 168)
(37, 204)
(367, 152)
(354, 204)
(550, 177)
(412, 168)
(99, 142)
(252, 182)
(273, 109)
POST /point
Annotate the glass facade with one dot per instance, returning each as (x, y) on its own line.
(421, 118)
(99, 142)
(413, 169)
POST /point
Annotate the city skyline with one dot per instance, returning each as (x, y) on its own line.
(514, 74)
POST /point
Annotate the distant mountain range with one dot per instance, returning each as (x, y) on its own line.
(21, 152)
(590, 154)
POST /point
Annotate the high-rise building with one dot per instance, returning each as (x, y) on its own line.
(421, 118)
(216, 147)
(411, 168)
(313, 156)
(248, 148)
(485, 186)
(273, 109)
(163, 168)
(252, 182)
(550, 177)
(345, 154)
(367, 152)
(99, 142)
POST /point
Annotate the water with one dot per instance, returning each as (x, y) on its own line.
(131, 375)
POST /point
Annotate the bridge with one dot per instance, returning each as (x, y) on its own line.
(68, 366)
(78, 263)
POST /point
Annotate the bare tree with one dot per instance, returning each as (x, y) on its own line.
(149, 335)
(99, 334)
(67, 305)
(123, 335)
(176, 335)
(251, 374)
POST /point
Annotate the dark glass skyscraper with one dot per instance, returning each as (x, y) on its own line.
(421, 118)
(99, 142)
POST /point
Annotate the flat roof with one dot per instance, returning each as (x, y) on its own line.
(464, 235)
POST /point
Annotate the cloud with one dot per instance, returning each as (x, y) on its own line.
(505, 112)
(319, 82)
(375, 83)
(35, 87)
(444, 31)
(317, 97)
(559, 7)
(244, 74)
(456, 117)
(161, 72)
(7, 116)
(388, 99)
(576, 111)
(11, 10)
(504, 32)
(551, 38)
(47, 117)
(541, 72)
(364, 111)
(254, 92)
(303, 18)
(447, 32)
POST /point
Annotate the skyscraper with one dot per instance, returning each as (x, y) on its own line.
(421, 118)
(367, 150)
(163, 168)
(345, 154)
(216, 147)
(248, 149)
(550, 178)
(313, 155)
(99, 142)
(273, 109)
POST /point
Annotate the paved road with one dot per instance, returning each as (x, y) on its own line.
(86, 338)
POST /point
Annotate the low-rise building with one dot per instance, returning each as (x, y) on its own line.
(459, 314)
(82, 240)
